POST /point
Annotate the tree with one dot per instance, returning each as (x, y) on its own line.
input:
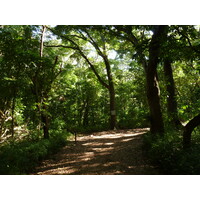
(43, 109)
(153, 92)
(154, 45)
(110, 86)
(12, 73)
(190, 126)
(46, 71)
(27, 73)
(39, 84)
(171, 96)
(97, 40)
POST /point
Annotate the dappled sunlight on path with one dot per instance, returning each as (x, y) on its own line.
(102, 153)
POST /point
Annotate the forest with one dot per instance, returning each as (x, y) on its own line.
(60, 82)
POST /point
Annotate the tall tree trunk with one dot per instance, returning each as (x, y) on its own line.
(45, 122)
(111, 88)
(44, 116)
(171, 97)
(191, 125)
(153, 93)
(153, 97)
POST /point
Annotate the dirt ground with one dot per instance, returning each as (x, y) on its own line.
(103, 153)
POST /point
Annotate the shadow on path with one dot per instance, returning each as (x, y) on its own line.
(102, 153)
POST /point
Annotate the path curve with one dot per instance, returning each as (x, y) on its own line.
(102, 153)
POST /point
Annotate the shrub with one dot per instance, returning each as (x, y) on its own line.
(168, 154)
(22, 157)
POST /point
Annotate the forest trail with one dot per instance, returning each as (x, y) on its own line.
(103, 153)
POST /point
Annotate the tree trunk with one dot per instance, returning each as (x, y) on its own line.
(153, 93)
(13, 118)
(156, 120)
(42, 41)
(171, 97)
(111, 89)
(44, 116)
(2, 121)
(86, 112)
(13, 112)
(112, 107)
(191, 125)
(45, 124)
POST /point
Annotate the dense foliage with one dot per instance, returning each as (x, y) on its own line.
(22, 157)
(81, 79)
(167, 153)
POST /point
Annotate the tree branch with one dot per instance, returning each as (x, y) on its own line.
(94, 70)
(195, 48)
(70, 47)
(190, 126)
(94, 44)
(82, 54)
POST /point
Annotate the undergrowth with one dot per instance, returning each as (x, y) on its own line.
(23, 156)
(167, 153)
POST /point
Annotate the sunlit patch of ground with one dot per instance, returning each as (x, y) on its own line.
(101, 153)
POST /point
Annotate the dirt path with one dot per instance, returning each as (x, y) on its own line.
(102, 153)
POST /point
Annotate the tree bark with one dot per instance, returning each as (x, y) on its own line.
(171, 97)
(153, 97)
(191, 125)
(153, 93)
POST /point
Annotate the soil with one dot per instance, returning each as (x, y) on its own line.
(102, 153)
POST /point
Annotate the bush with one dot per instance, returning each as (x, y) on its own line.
(168, 154)
(22, 157)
